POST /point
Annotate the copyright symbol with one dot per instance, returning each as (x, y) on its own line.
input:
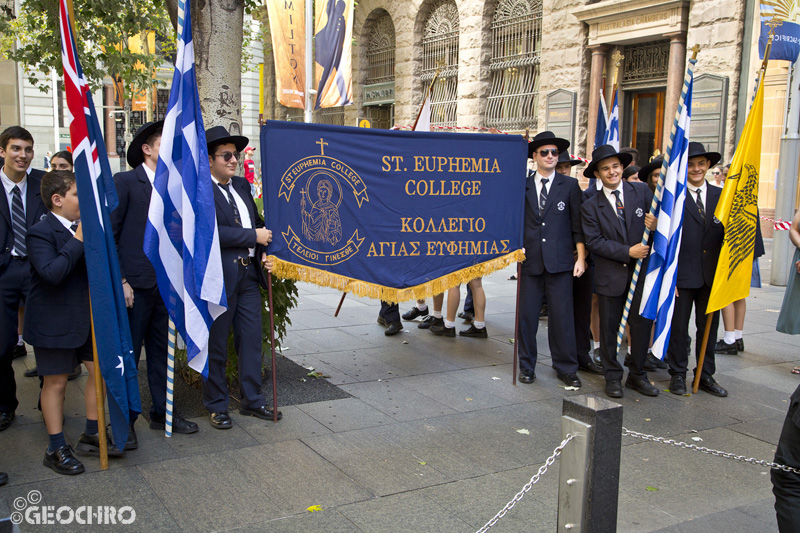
(34, 497)
(20, 503)
(16, 518)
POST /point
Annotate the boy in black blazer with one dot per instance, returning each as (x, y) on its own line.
(701, 242)
(614, 220)
(57, 318)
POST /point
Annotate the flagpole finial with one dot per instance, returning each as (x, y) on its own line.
(695, 50)
(773, 23)
(617, 57)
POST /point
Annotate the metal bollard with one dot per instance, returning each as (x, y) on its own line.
(588, 488)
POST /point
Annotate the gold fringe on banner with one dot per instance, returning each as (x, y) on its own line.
(288, 270)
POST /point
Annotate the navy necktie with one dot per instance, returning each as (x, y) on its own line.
(18, 222)
(700, 206)
(236, 216)
(621, 214)
(543, 195)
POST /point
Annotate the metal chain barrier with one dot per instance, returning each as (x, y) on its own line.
(703, 449)
(535, 479)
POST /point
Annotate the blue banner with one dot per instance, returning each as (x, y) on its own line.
(389, 214)
(785, 43)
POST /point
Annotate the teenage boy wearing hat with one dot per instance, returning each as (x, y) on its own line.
(565, 163)
(147, 314)
(701, 242)
(242, 238)
(614, 220)
(552, 232)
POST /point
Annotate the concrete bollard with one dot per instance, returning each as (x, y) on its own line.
(588, 488)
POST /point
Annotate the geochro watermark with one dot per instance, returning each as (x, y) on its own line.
(28, 510)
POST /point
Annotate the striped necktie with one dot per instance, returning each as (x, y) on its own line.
(621, 214)
(236, 215)
(18, 222)
(543, 195)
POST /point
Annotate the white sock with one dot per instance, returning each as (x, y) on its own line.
(20, 342)
(479, 325)
(596, 345)
(737, 334)
(449, 324)
(437, 314)
(422, 306)
(729, 337)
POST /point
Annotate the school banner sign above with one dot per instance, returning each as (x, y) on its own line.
(392, 215)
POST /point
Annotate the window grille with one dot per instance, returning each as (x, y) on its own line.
(440, 51)
(516, 51)
(646, 61)
(380, 51)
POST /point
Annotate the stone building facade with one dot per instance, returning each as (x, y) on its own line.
(572, 46)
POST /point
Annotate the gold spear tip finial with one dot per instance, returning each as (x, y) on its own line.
(695, 50)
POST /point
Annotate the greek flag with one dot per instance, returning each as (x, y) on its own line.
(181, 238)
(98, 197)
(600, 136)
(658, 297)
(612, 130)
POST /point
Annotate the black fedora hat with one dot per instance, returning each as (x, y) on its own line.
(697, 149)
(544, 138)
(134, 155)
(564, 157)
(219, 135)
(655, 164)
(604, 152)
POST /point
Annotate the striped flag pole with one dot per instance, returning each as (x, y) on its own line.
(171, 336)
(654, 205)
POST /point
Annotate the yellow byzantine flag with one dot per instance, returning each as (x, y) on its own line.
(738, 211)
(287, 26)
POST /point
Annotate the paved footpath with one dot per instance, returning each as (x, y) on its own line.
(428, 439)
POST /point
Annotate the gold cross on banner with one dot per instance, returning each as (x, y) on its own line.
(322, 144)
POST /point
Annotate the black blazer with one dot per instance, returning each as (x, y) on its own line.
(234, 241)
(550, 236)
(128, 221)
(604, 237)
(34, 212)
(57, 308)
(701, 241)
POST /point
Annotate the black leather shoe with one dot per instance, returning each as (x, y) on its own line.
(712, 387)
(442, 330)
(382, 321)
(723, 347)
(394, 327)
(591, 367)
(20, 351)
(472, 331)
(5, 420)
(32, 372)
(179, 425)
(740, 344)
(570, 380)
(414, 313)
(90, 445)
(642, 386)
(263, 412)
(544, 311)
(61, 461)
(655, 362)
(677, 385)
(76, 373)
(614, 388)
(429, 321)
(3, 478)
(596, 357)
(221, 420)
(627, 361)
(133, 442)
(466, 316)
(527, 377)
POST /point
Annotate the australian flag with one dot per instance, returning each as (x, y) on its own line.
(658, 297)
(181, 239)
(98, 197)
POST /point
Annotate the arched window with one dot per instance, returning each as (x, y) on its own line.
(516, 51)
(440, 51)
(380, 51)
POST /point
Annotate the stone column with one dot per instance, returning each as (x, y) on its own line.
(110, 122)
(599, 53)
(677, 70)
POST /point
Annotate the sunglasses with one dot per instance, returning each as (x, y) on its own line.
(227, 156)
(551, 151)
